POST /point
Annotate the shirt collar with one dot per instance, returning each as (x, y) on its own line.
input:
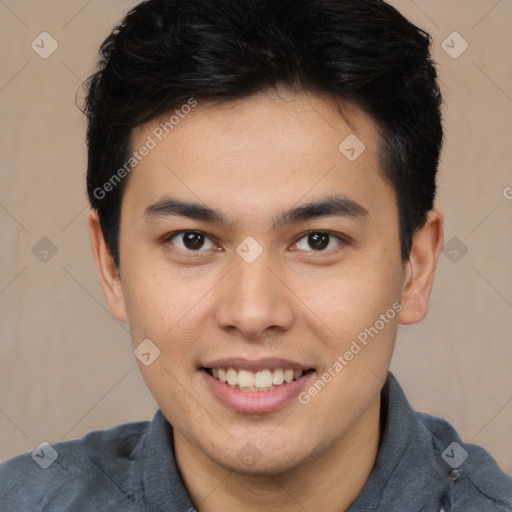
(164, 488)
(396, 432)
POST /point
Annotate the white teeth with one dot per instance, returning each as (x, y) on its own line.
(278, 377)
(264, 380)
(245, 379)
(232, 377)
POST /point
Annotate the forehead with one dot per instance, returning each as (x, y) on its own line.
(271, 147)
(266, 121)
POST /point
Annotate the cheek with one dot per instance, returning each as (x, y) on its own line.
(352, 296)
(359, 304)
(169, 308)
(152, 294)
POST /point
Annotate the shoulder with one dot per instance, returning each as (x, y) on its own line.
(478, 484)
(96, 469)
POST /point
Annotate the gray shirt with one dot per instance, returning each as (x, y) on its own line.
(422, 465)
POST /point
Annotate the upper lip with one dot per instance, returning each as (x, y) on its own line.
(256, 365)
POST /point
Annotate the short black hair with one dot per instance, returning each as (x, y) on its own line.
(166, 53)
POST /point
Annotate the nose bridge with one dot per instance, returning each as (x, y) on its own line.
(252, 299)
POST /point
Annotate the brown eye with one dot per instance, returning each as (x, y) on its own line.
(191, 241)
(318, 241)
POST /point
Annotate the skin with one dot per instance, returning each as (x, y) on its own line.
(251, 160)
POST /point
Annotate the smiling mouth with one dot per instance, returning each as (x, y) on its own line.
(263, 380)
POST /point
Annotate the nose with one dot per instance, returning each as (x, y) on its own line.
(253, 300)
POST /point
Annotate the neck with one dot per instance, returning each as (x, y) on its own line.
(329, 481)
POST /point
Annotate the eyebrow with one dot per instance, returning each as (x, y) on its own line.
(339, 206)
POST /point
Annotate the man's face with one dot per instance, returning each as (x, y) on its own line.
(257, 290)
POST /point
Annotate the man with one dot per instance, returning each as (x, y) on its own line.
(262, 177)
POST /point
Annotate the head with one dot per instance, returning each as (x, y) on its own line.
(262, 177)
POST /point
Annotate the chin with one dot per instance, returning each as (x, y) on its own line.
(253, 459)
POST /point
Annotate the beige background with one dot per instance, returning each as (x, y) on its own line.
(66, 366)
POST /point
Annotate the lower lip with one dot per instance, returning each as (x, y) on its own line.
(255, 402)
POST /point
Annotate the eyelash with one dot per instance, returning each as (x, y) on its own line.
(343, 240)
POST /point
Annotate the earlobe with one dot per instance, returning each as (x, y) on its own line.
(420, 268)
(109, 276)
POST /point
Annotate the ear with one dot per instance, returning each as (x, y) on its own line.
(420, 268)
(109, 275)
